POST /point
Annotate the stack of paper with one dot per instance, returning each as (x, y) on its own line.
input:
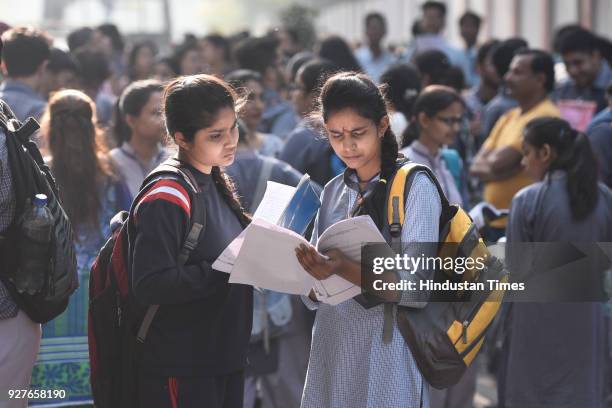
(264, 254)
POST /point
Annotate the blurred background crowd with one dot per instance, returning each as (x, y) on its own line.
(93, 73)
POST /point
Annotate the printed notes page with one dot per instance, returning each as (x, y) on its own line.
(347, 236)
(267, 260)
(290, 207)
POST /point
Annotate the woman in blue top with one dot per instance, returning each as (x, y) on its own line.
(350, 363)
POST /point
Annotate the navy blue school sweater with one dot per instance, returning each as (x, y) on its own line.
(203, 324)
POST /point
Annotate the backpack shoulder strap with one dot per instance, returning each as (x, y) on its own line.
(175, 169)
(400, 187)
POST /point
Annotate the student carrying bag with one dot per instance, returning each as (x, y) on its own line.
(40, 274)
(445, 335)
(118, 324)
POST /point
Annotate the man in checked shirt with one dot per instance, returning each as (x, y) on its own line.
(19, 336)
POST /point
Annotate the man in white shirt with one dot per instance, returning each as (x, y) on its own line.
(373, 58)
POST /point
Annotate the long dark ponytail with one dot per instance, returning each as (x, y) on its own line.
(573, 155)
(432, 100)
(349, 90)
(192, 103)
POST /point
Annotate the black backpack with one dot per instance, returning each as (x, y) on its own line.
(118, 324)
(31, 176)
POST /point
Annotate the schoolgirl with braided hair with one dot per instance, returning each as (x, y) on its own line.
(196, 348)
(352, 362)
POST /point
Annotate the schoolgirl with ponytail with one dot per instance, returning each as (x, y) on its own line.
(196, 348)
(351, 362)
(568, 205)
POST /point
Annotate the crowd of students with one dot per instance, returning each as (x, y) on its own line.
(520, 128)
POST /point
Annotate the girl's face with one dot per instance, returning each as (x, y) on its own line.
(163, 71)
(191, 64)
(536, 160)
(145, 58)
(253, 110)
(214, 145)
(301, 99)
(149, 124)
(442, 128)
(357, 140)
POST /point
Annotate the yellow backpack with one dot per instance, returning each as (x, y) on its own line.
(445, 335)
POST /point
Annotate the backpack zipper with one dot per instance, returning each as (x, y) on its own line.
(119, 312)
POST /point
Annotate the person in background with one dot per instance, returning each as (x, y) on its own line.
(141, 61)
(402, 86)
(498, 163)
(295, 63)
(79, 38)
(250, 83)
(600, 135)
(188, 58)
(306, 150)
(109, 41)
(163, 69)
(469, 27)
(25, 55)
(501, 57)
(433, 66)
(481, 94)
(430, 36)
(139, 131)
(216, 54)
(333, 48)
(589, 73)
(566, 204)
(93, 72)
(60, 73)
(373, 57)
(260, 55)
(91, 193)
(19, 335)
(437, 117)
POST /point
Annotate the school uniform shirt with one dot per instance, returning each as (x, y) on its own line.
(23, 100)
(373, 66)
(554, 352)
(508, 132)
(132, 170)
(601, 142)
(246, 169)
(308, 151)
(419, 153)
(203, 324)
(349, 364)
(495, 109)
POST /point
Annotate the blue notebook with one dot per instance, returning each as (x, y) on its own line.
(302, 207)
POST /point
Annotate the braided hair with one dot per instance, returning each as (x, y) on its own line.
(350, 90)
(574, 156)
(192, 103)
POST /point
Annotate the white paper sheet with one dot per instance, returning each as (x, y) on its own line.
(347, 236)
(267, 260)
(272, 205)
